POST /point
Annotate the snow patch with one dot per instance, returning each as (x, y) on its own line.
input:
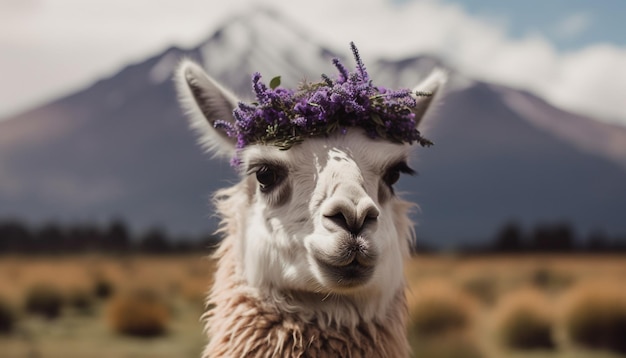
(163, 69)
(263, 43)
(228, 50)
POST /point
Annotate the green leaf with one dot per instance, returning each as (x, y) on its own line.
(275, 82)
(425, 142)
(381, 132)
(332, 127)
(376, 118)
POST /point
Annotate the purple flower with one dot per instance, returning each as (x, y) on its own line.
(284, 117)
(343, 72)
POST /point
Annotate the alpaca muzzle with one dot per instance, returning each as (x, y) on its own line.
(351, 264)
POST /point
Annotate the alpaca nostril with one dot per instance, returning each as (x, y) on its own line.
(369, 220)
(371, 213)
(350, 219)
(340, 220)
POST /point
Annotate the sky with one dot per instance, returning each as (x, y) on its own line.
(570, 52)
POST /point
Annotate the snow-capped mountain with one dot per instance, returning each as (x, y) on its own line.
(121, 147)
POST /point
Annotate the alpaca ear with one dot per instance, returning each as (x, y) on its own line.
(432, 85)
(205, 101)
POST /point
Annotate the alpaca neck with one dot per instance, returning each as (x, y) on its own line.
(245, 321)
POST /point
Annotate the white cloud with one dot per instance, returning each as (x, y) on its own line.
(54, 49)
(50, 47)
(572, 25)
(592, 81)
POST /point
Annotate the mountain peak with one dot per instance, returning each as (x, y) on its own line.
(262, 41)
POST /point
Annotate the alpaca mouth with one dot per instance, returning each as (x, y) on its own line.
(350, 275)
(350, 266)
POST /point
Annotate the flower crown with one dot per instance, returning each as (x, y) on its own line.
(285, 117)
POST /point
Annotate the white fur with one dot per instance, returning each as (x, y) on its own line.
(277, 244)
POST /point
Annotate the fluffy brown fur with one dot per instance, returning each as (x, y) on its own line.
(241, 324)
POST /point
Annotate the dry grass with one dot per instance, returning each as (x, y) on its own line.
(492, 280)
(81, 300)
(437, 307)
(7, 316)
(449, 345)
(17, 274)
(594, 316)
(524, 320)
(97, 285)
(474, 287)
(441, 321)
(141, 313)
(45, 300)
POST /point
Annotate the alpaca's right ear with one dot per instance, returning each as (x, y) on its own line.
(205, 101)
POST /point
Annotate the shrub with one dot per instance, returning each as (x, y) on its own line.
(551, 280)
(44, 300)
(81, 300)
(7, 317)
(437, 308)
(595, 317)
(484, 288)
(524, 321)
(140, 313)
(103, 288)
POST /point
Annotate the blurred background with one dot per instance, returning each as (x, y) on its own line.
(105, 216)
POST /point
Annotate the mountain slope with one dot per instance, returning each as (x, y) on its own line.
(121, 147)
(122, 150)
(607, 140)
(490, 165)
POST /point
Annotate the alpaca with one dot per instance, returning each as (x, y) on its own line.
(311, 262)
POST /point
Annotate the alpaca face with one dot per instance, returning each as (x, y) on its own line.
(323, 216)
(320, 218)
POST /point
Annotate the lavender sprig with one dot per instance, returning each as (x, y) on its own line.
(285, 117)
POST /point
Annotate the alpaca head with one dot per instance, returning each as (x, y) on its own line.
(319, 219)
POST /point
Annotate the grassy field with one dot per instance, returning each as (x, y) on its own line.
(459, 307)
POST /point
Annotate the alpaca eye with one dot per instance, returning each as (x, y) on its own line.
(268, 177)
(392, 175)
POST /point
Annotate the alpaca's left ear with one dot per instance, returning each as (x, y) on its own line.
(205, 102)
(432, 85)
